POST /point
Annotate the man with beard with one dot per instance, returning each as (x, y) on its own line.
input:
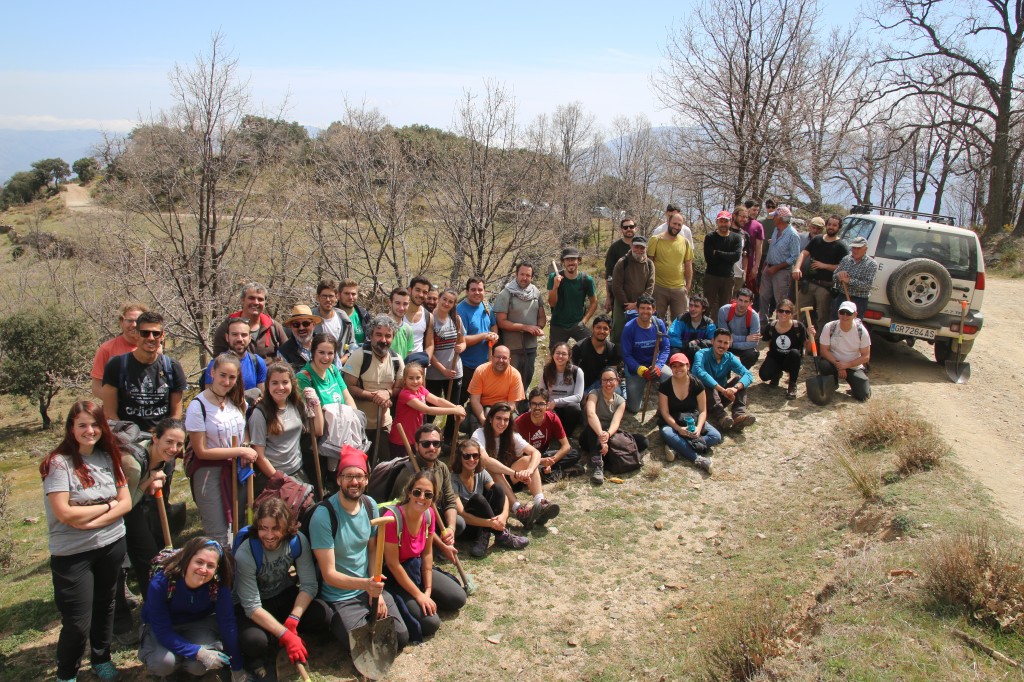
(125, 342)
(723, 249)
(297, 350)
(618, 249)
(776, 277)
(334, 321)
(672, 256)
(632, 278)
(427, 446)
(420, 321)
(640, 338)
(495, 382)
(373, 374)
(740, 318)
(573, 300)
(432, 297)
(670, 211)
(754, 232)
(825, 251)
(521, 318)
(595, 353)
(343, 541)
(348, 298)
(254, 368)
(479, 324)
(725, 382)
(265, 335)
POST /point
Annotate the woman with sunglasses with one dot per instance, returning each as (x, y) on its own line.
(86, 496)
(188, 620)
(564, 384)
(412, 579)
(478, 500)
(683, 416)
(786, 338)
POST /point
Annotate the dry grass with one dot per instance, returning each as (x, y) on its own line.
(920, 454)
(742, 637)
(652, 470)
(980, 572)
(861, 474)
(883, 424)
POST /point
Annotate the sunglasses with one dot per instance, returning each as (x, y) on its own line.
(425, 494)
(628, 227)
(430, 443)
(470, 455)
(150, 333)
(845, 312)
(783, 310)
(303, 325)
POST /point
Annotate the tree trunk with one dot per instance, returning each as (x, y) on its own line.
(44, 408)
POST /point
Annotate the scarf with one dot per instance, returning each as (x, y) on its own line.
(530, 293)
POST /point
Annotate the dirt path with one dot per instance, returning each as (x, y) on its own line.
(76, 196)
(982, 420)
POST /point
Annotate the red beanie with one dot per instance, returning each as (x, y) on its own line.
(352, 457)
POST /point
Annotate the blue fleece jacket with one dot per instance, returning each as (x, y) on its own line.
(638, 345)
(713, 372)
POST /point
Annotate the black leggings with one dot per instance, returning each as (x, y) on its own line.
(777, 362)
(439, 387)
(83, 589)
(571, 416)
(258, 646)
(485, 504)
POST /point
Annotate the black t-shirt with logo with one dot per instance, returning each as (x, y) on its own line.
(144, 393)
(826, 252)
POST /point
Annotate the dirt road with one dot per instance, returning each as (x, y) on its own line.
(983, 420)
(76, 196)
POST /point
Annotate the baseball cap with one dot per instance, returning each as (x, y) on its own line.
(678, 357)
(818, 221)
(782, 212)
(859, 242)
(848, 307)
(571, 252)
(641, 240)
(723, 214)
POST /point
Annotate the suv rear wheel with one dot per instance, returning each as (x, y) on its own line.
(919, 289)
(945, 349)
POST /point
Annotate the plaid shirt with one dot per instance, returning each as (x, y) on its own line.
(862, 274)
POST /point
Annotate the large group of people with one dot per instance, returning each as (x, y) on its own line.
(333, 392)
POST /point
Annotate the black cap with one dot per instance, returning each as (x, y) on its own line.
(570, 252)
(640, 239)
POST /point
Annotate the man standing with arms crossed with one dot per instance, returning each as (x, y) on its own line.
(672, 256)
(825, 251)
(722, 250)
(572, 298)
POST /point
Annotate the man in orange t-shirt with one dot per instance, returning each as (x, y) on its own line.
(493, 382)
(126, 342)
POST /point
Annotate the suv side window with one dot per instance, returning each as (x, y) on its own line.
(954, 252)
(854, 227)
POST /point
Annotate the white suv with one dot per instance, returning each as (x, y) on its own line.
(926, 267)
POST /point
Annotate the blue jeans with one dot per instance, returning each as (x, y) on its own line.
(681, 446)
(635, 391)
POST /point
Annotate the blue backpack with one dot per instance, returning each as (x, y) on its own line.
(256, 547)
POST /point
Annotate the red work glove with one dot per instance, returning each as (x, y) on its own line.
(292, 623)
(293, 644)
(653, 373)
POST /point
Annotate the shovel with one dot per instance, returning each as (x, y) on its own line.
(958, 371)
(287, 670)
(374, 645)
(820, 389)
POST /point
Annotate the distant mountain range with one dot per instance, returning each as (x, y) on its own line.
(19, 149)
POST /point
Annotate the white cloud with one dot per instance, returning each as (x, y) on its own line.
(47, 122)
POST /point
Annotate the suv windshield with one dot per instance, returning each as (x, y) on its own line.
(953, 251)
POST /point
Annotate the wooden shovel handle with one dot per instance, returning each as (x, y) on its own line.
(378, 555)
(814, 344)
(161, 511)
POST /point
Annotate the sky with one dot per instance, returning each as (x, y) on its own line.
(76, 65)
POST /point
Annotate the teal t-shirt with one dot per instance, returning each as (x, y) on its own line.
(572, 299)
(349, 544)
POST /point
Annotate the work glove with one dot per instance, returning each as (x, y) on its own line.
(653, 373)
(312, 400)
(292, 643)
(641, 371)
(211, 658)
(292, 624)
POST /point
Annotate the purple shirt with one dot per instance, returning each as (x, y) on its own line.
(755, 232)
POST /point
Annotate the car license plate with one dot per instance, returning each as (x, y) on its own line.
(912, 330)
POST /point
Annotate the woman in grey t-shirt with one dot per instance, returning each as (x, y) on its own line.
(86, 496)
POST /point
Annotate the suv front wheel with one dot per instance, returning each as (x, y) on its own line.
(919, 289)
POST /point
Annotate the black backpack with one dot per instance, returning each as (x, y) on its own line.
(368, 358)
(130, 438)
(384, 475)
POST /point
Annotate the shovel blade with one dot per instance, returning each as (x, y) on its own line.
(820, 389)
(958, 372)
(374, 647)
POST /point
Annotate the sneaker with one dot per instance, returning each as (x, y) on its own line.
(524, 515)
(597, 472)
(704, 464)
(547, 511)
(510, 541)
(725, 423)
(670, 454)
(744, 420)
(791, 392)
(479, 548)
(106, 671)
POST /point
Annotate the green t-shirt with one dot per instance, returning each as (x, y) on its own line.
(403, 342)
(330, 389)
(357, 326)
(572, 299)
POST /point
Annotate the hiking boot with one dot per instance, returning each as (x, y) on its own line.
(133, 600)
(597, 471)
(510, 541)
(791, 391)
(725, 423)
(106, 671)
(547, 511)
(479, 548)
(744, 420)
(524, 515)
(704, 464)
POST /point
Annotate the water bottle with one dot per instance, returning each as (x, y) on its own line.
(691, 425)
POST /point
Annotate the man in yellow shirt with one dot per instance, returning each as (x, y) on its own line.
(673, 269)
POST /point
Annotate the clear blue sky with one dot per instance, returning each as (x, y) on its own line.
(72, 65)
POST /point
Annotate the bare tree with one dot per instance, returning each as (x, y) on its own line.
(576, 142)
(939, 41)
(733, 69)
(634, 162)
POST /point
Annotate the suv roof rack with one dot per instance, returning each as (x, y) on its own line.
(861, 209)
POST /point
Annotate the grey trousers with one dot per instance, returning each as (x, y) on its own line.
(162, 662)
(858, 380)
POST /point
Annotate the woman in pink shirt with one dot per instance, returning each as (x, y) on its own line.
(419, 589)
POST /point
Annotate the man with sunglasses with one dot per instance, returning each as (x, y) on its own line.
(618, 249)
(143, 386)
(266, 336)
(846, 349)
(254, 368)
(543, 430)
(125, 342)
(343, 540)
(297, 350)
(428, 451)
